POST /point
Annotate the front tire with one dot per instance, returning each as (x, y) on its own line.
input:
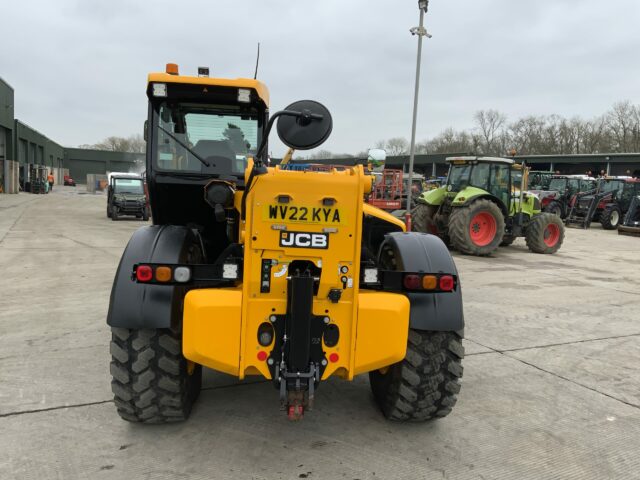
(422, 218)
(610, 218)
(424, 385)
(151, 381)
(476, 229)
(545, 233)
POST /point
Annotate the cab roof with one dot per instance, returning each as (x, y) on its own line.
(508, 161)
(259, 87)
(580, 177)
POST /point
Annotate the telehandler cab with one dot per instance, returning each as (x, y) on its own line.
(286, 274)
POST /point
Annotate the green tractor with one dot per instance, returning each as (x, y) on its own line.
(482, 206)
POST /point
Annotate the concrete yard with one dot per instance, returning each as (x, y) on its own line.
(551, 385)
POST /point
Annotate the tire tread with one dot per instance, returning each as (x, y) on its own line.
(424, 390)
(149, 382)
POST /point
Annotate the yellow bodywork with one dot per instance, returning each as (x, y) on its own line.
(220, 325)
(260, 88)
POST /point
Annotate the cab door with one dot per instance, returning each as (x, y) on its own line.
(500, 183)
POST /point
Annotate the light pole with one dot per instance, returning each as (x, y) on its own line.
(423, 5)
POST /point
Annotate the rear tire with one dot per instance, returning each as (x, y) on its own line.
(545, 233)
(151, 381)
(422, 218)
(610, 218)
(476, 229)
(424, 385)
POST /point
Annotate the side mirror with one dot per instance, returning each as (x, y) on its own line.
(304, 125)
(144, 133)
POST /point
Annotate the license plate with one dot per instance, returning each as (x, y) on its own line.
(304, 214)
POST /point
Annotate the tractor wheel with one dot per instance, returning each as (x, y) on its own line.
(545, 233)
(610, 218)
(422, 218)
(424, 385)
(507, 240)
(151, 381)
(476, 229)
(554, 208)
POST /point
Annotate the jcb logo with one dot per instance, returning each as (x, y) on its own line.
(304, 240)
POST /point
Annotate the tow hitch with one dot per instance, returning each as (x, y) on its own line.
(297, 360)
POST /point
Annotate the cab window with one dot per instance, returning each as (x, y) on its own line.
(500, 182)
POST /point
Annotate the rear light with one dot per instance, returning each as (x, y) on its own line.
(446, 283)
(429, 282)
(144, 273)
(412, 282)
(163, 274)
(182, 274)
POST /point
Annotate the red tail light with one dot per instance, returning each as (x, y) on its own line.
(412, 282)
(446, 283)
(144, 273)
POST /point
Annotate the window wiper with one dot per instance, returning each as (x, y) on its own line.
(202, 160)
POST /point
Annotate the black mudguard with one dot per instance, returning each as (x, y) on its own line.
(416, 252)
(135, 306)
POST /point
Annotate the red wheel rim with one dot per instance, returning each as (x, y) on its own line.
(482, 229)
(551, 235)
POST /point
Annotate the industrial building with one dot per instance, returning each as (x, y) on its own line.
(22, 146)
(435, 164)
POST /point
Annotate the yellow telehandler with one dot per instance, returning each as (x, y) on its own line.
(250, 269)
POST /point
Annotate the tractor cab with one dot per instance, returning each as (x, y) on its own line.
(472, 176)
(539, 180)
(630, 189)
(557, 196)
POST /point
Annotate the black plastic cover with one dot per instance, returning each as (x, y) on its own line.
(414, 251)
(135, 305)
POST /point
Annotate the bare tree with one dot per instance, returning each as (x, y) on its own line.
(321, 155)
(621, 124)
(490, 125)
(397, 146)
(133, 144)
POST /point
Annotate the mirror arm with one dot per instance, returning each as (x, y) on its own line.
(258, 169)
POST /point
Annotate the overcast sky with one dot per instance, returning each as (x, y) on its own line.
(79, 67)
